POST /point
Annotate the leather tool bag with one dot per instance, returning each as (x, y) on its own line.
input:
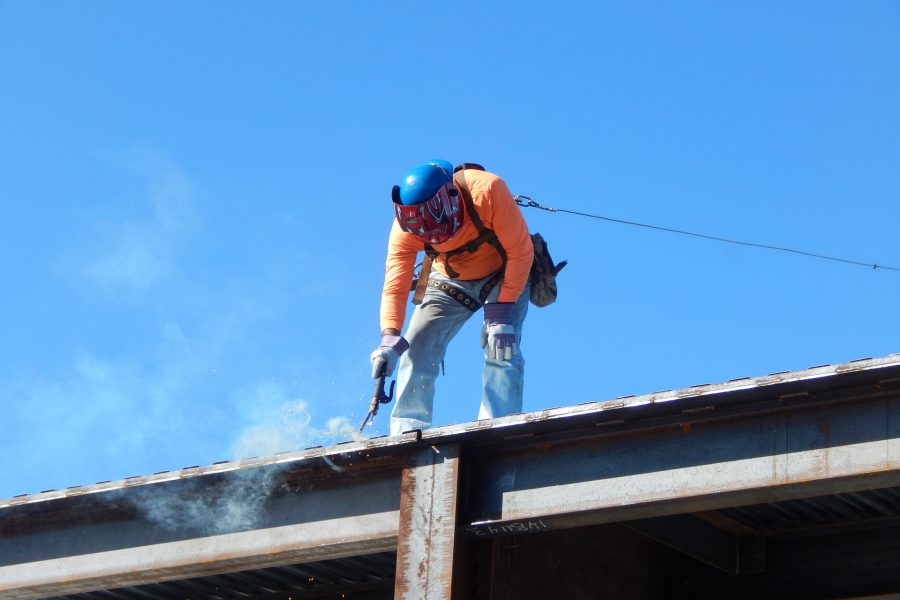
(543, 273)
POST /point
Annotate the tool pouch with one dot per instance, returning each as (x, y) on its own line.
(543, 273)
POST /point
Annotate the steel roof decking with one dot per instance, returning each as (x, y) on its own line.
(497, 427)
(822, 511)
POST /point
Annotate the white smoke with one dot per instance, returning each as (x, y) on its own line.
(276, 423)
(236, 504)
(138, 253)
(237, 501)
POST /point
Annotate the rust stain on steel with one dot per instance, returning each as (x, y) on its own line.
(427, 525)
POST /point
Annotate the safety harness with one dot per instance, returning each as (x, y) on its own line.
(543, 269)
(485, 236)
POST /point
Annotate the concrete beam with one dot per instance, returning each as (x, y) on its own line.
(428, 525)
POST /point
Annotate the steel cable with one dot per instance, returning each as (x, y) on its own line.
(528, 202)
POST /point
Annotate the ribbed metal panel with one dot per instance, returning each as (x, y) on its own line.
(793, 515)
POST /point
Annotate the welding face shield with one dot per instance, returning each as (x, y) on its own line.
(433, 221)
(426, 204)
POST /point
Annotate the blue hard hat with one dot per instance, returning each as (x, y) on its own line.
(421, 183)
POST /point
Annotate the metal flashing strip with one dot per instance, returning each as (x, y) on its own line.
(822, 372)
(361, 448)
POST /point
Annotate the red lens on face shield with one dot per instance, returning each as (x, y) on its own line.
(434, 221)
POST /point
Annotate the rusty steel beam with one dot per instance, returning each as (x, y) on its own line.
(693, 466)
(427, 528)
(199, 557)
(313, 524)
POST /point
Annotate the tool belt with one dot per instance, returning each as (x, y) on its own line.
(458, 294)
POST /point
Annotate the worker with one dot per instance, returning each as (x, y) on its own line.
(470, 226)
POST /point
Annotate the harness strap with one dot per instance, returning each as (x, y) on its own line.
(491, 284)
(485, 235)
(464, 166)
(460, 178)
(422, 282)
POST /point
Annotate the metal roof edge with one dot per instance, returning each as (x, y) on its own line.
(696, 391)
(455, 431)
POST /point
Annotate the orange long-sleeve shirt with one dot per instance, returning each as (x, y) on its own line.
(499, 212)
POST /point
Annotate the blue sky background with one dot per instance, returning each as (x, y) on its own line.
(196, 206)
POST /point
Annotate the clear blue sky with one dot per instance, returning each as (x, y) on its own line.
(196, 205)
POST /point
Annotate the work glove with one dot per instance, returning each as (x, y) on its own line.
(498, 336)
(387, 354)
